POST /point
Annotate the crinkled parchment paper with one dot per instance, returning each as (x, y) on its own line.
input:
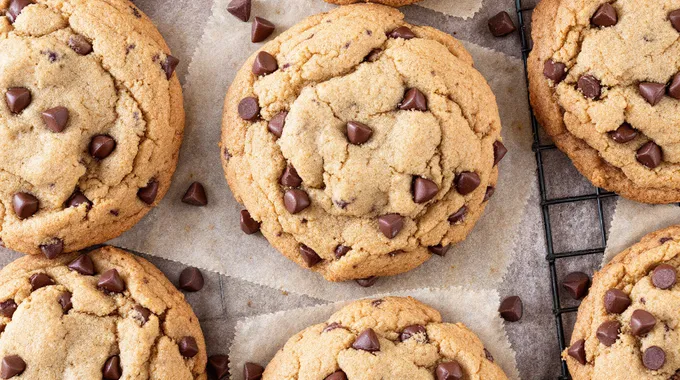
(258, 338)
(457, 8)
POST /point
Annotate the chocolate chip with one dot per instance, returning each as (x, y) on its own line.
(248, 224)
(111, 281)
(458, 216)
(169, 65)
(25, 205)
(262, 29)
(341, 251)
(555, 71)
(367, 341)
(652, 92)
(296, 200)
(65, 301)
(402, 32)
(664, 276)
(490, 190)
(332, 326)
(390, 225)
(511, 309)
(674, 88)
(623, 134)
(188, 347)
(488, 355)
(277, 123)
(191, 279)
(650, 155)
(674, 18)
(111, 369)
(373, 55)
(240, 9)
(290, 177)
(15, 8)
(608, 332)
(449, 371)
(439, 249)
(195, 195)
(654, 358)
(249, 109)
(80, 44)
(605, 16)
(501, 24)
(499, 151)
(641, 322)
(219, 365)
(411, 331)
(616, 301)
(424, 190)
(76, 199)
(135, 11)
(309, 256)
(53, 249)
(40, 280)
(17, 98)
(82, 264)
(101, 146)
(576, 284)
(578, 351)
(55, 119)
(337, 375)
(367, 282)
(265, 63)
(148, 193)
(252, 371)
(142, 314)
(665, 239)
(413, 100)
(467, 182)
(7, 308)
(358, 133)
(11, 366)
(589, 86)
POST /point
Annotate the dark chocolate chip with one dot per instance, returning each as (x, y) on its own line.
(240, 9)
(654, 358)
(499, 151)
(439, 249)
(55, 118)
(411, 331)
(12, 365)
(501, 24)
(148, 193)
(219, 365)
(490, 190)
(40, 280)
(7, 308)
(576, 284)
(337, 375)
(309, 256)
(674, 18)
(590, 86)
(358, 133)
(650, 155)
(296, 200)
(413, 100)
(449, 371)
(578, 351)
(82, 264)
(249, 109)
(402, 32)
(111, 369)
(65, 301)
(424, 190)
(488, 355)
(641, 322)
(605, 16)
(367, 282)
(142, 314)
(664, 276)
(674, 88)
(665, 239)
(111, 281)
(332, 326)
(248, 224)
(101, 146)
(623, 134)
(80, 44)
(341, 251)
(188, 347)
(616, 301)
(390, 225)
(290, 177)
(25, 205)
(467, 182)
(373, 55)
(191, 279)
(262, 29)
(169, 65)
(15, 8)
(367, 341)
(555, 71)
(264, 64)
(277, 123)
(17, 99)
(608, 332)
(511, 309)
(252, 371)
(53, 249)
(195, 195)
(78, 198)
(458, 216)
(652, 92)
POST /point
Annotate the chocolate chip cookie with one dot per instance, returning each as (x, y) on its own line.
(387, 338)
(91, 120)
(628, 325)
(392, 3)
(102, 314)
(359, 144)
(605, 83)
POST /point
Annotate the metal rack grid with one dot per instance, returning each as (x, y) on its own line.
(523, 13)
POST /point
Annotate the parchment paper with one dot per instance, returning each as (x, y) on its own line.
(256, 341)
(211, 238)
(458, 8)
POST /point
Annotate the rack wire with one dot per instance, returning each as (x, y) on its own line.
(552, 257)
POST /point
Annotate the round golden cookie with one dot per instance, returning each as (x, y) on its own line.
(628, 327)
(605, 86)
(103, 314)
(360, 143)
(91, 121)
(392, 3)
(387, 338)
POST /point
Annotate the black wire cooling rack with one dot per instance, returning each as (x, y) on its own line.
(552, 257)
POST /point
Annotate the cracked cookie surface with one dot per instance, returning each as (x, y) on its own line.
(392, 3)
(605, 84)
(628, 325)
(408, 341)
(71, 317)
(91, 120)
(361, 144)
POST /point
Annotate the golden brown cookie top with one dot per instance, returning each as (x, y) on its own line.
(91, 121)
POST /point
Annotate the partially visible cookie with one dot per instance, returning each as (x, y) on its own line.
(387, 338)
(628, 327)
(91, 121)
(392, 3)
(605, 85)
(103, 314)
